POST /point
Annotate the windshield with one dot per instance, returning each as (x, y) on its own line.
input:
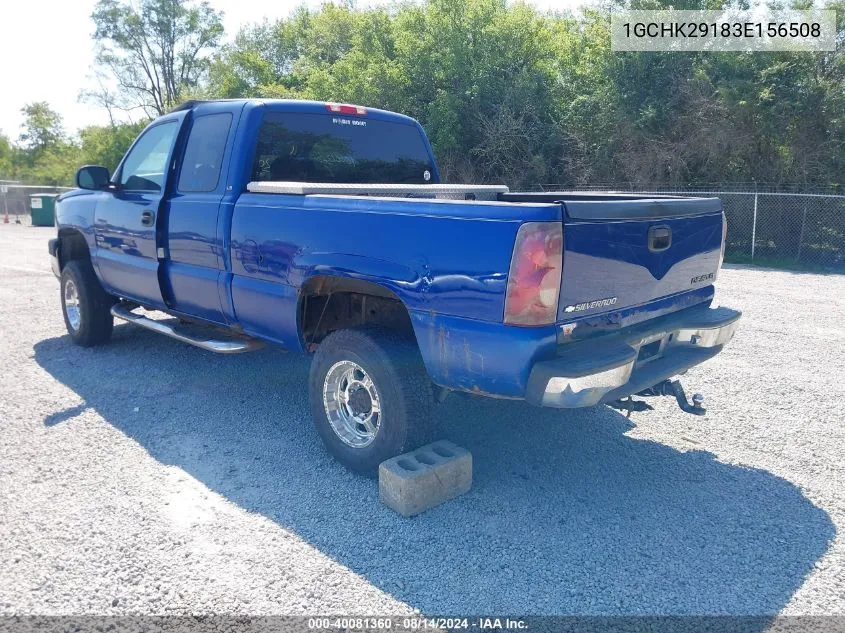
(334, 148)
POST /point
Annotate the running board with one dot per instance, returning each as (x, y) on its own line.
(219, 346)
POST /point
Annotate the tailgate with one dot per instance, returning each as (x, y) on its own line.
(622, 254)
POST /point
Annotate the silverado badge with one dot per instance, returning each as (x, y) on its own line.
(589, 305)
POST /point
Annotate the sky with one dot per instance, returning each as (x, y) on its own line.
(46, 52)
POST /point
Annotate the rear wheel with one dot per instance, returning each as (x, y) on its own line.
(370, 396)
(85, 305)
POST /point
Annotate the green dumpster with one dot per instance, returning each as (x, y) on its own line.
(43, 209)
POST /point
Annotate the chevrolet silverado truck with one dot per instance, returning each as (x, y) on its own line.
(324, 228)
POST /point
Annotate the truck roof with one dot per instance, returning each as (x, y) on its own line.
(298, 105)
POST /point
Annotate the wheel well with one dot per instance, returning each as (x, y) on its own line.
(330, 303)
(73, 246)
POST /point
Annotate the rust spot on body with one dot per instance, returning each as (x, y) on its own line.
(443, 349)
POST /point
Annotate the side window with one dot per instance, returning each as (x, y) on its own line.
(204, 153)
(145, 169)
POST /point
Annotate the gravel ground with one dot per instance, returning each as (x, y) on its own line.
(151, 477)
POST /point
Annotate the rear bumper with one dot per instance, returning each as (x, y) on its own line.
(590, 372)
(53, 248)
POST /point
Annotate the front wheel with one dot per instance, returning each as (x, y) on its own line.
(85, 305)
(370, 396)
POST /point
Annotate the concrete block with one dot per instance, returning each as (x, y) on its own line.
(424, 478)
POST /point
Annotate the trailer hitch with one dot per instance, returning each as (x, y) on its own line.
(665, 388)
(674, 388)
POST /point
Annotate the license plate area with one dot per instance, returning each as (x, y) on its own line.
(651, 348)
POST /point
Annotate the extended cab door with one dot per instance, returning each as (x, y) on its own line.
(195, 215)
(127, 229)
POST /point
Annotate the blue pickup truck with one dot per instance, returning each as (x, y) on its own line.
(324, 228)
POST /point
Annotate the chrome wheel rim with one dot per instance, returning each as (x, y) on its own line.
(352, 403)
(74, 317)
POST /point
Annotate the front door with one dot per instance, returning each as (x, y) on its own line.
(126, 227)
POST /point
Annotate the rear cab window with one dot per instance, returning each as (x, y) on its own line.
(333, 148)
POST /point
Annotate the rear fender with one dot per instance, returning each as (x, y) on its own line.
(461, 354)
(328, 302)
(405, 283)
(490, 359)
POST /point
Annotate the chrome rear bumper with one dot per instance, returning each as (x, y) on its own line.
(589, 372)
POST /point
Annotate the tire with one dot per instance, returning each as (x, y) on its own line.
(402, 391)
(91, 322)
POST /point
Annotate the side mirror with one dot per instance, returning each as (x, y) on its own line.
(92, 177)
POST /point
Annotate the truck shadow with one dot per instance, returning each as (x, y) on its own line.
(567, 514)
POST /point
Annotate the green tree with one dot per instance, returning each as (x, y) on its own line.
(477, 74)
(155, 50)
(56, 167)
(511, 94)
(6, 155)
(258, 64)
(43, 154)
(106, 145)
(42, 128)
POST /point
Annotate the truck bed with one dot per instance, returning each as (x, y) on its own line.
(611, 266)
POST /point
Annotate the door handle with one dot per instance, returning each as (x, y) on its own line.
(147, 218)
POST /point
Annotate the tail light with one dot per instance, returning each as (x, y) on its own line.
(534, 277)
(342, 108)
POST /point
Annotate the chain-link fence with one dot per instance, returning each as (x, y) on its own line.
(776, 228)
(16, 201)
(781, 228)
